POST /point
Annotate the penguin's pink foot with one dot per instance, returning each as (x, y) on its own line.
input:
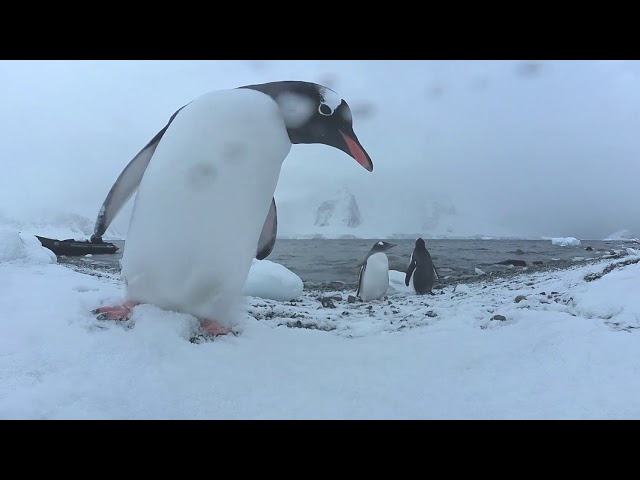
(120, 312)
(214, 328)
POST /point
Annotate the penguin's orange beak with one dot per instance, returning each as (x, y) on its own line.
(354, 149)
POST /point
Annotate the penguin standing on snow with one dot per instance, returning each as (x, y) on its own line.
(422, 268)
(373, 280)
(205, 184)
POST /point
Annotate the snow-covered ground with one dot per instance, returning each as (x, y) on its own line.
(559, 345)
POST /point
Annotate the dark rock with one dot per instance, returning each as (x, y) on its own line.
(500, 318)
(538, 262)
(333, 286)
(519, 298)
(431, 314)
(351, 299)
(327, 302)
(595, 276)
(589, 249)
(515, 263)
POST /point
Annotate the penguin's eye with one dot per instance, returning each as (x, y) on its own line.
(325, 110)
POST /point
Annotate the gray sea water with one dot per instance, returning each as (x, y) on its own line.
(333, 264)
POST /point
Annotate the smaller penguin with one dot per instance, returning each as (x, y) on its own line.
(422, 268)
(373, 280)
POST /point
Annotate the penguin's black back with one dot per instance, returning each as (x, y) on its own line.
(422, 269)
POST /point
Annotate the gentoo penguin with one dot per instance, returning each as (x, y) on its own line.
(422, 268)
(205, 186)
(373, 279)
(129, 180)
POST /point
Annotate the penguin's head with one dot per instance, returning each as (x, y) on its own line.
(316, 114)
(378, 247)
(382, 246)
(420, 244)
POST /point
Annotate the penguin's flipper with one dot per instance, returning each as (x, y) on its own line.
(267, 239)
(410, 269)
(127, 183)
(363, 268)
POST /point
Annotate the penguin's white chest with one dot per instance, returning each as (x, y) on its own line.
(375, 280)
(203, 200)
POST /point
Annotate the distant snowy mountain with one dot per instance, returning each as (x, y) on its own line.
(621, 235)
(342, 210)
(59, 226)
(346, 214)
(437, 212)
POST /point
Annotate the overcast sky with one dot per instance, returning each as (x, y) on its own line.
(541, 147)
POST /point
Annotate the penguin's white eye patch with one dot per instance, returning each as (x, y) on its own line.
(325, 110)
(380, 243)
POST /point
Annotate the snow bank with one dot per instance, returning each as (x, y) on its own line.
(396, 283)
(272, 281)
(613, 298)
(16, 247)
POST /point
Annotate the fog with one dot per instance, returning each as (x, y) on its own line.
(535, 148)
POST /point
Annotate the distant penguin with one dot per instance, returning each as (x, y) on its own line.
(422, 268)
(205, 186)
(373, 279)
